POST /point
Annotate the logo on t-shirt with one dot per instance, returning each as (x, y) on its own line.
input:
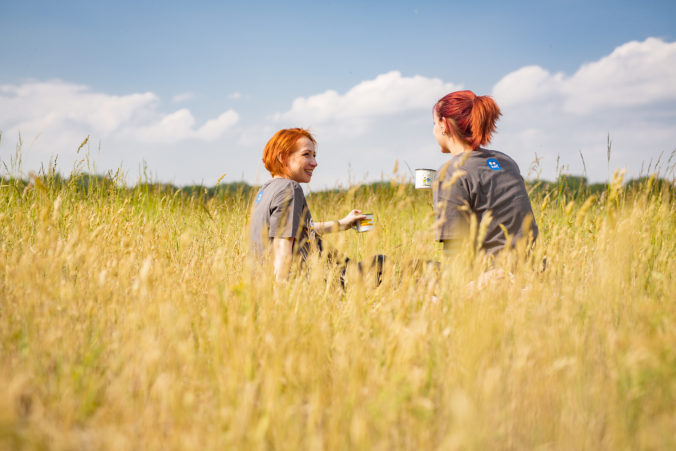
(260, 194)
(493, 164)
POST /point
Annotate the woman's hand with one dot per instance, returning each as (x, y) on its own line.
(351, 218)
(339, 225)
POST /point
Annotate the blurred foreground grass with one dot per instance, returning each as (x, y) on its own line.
(136, 319)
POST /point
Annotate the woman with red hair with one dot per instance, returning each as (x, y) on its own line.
(477, 181)
(281, 221)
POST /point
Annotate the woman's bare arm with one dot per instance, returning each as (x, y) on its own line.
(281, 257)
(339, 225)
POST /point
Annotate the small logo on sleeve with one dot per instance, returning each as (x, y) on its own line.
(493, 164)
(260, 194)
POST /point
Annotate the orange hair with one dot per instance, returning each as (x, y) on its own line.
(283, 143)
(470, 117)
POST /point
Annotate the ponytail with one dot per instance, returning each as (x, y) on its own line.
(484, 115)
(474, 117)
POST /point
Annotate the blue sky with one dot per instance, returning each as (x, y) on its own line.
(145, 79)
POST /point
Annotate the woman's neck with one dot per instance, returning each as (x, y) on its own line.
(458, 147)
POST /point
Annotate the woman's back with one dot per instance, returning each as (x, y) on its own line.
(490, 181)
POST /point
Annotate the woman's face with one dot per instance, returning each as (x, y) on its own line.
(301, 162)
(439, 133)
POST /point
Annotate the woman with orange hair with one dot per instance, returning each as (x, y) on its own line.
(477, 181)
(281, 221)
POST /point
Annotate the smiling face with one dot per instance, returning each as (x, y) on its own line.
(301, 162)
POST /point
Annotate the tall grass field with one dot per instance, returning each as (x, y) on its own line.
(136, 318)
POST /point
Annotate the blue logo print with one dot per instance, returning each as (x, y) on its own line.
(260, 194)
(493, 164)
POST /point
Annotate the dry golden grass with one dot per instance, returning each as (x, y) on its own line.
(137, 320)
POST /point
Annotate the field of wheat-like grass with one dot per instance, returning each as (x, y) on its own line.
(137, 319)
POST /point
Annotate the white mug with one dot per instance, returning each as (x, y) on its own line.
(364, 225)
(423, 178)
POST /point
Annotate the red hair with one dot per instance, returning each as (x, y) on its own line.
(468, 116)
(283, 143)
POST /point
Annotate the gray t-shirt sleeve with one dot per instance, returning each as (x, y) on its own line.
(286, 212)
(452, 206)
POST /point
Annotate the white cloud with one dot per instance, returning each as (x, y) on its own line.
(183, 97)
(38, 107)
(214, 128)
(235, 96)
(629, 94)
(170, 128)
(634, 74)
(180, 125)
(387, 94)
(55, 109)
(526, 85)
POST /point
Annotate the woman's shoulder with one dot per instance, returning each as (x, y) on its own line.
(280, 183)
(503, 160)
(455, 163)
(490, 153)
(284, 186)
(285, 182)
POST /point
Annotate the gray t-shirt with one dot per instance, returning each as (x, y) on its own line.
(280, 211)
(476, 183)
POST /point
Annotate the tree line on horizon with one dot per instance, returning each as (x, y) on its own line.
(570, 185)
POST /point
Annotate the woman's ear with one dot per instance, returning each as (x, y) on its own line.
(445, 129)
